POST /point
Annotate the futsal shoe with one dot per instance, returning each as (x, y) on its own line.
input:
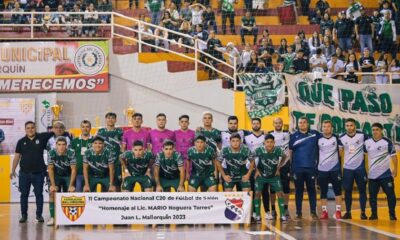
(314, 216)
(373, 216)
(338, 215)
(324, 215)
(393, 217)
(347, 215)
(50, 222)
(363, 216)
(269, 216)
(23, 219)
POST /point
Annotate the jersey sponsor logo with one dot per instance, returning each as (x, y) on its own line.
(73, 207)
(234, 209)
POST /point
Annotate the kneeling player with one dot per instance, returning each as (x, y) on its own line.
(202, 158)
(168, 170)
(98, 167)
(269, 159)
(329, 168)
(232, 165)
(62, 172)
(137, 167)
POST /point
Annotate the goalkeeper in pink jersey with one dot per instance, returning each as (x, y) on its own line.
(160, 134)
(184, 139)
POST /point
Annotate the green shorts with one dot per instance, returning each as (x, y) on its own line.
(238, 183)
(129, 182)
(166, 184)
(274, 182)
(62, 182)
(206, 181)
(117, 174)
(104, 182)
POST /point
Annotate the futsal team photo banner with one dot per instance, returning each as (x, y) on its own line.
(153, 208)
(338, 100)
(54, 66)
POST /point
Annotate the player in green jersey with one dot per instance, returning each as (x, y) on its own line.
(136, 164)
(62, 172)
(212, 135)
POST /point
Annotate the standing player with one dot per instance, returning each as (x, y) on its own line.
(112, 140)
(329, 168)
(232, 165)
(161, 134)
(202, 159)
(98, 167)
(62, 172)
(135, 133)
(380, 152)
(168, 170)
(354, 167)
(233, 123)
(136, 164)
(184, 138)
(212, 135)
(282, 138)
(268, 161)
(303, 149)
(80, 145)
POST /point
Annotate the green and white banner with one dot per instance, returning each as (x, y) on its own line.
(265, 93)
(337, 100)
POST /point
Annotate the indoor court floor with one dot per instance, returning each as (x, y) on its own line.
(306, 229)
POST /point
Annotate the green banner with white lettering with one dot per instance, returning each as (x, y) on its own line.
(337, 100)
(265, 93)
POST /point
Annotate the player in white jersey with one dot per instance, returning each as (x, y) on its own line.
(254, 140)
(329, 168)
(354, 167)
(282, 138)
(233, 122)
(380, 152)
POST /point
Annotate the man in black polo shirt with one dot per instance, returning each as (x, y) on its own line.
(301, 64)
(367, 65)
(364, 30)
(29, 154)
(249, 27)
(342, 31)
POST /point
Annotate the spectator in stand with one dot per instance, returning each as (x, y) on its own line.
(17, 18)
(197, 12)
(68, 5)
(232, 52)
(300, 63)
(177, 4)
(105, 6)
(315, 17)
(173, 11)
(376, 21)
(340, 55)
(169, 23)
(10, 6)
(35, 18)
(354, 10)
(382, 67)
(282, 49)
(323, 6)
(261, 68)
(185, 29)
(209, 19)
(149, 37)
(302, 36)
(212, 48)
(245, 56)
(46, 19)
(248, 27)
(265, 35)
(59, 17)
(305, 7)
(396, 8)
(131, 4)
(318, 62)
(75, 18)
(161, 36)
(364, 29)
(386, 7)
(351, 67)
(252, 64)
(185, 12)
(395, 70)
(328, 33)
(87, 3)
(314, 42)
(367, 65)
(265, 53)
(155, 8)
(301, 45)
(387, 35)
(228, 11)
(288, 59)
(335, 66)
(54, 3)
(200, 33)
(92, 17)
(327, 47)
(343, 31)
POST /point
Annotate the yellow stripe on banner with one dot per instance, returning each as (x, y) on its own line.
(5, 163)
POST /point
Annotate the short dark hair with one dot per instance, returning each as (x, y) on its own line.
(137, 143)
(137, 115)
(98, 138)
(256, 119)
(319, 51)
(184, 116)
(111, 114)
(161, 115)
(86, 122)
(30, 122)
(350, 120)
(233, 118)
(235, 135)
(168, 143)
(269, 136)
(61, 139)
(200, 137)
(303, 118)
(378, 125)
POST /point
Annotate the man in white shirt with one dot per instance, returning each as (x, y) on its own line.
(318, 62)
(335, 66)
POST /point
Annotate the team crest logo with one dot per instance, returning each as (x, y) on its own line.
(73, 207)
(89, 59)
(234, 209)
(37, 141)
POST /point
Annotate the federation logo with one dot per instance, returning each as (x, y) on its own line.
(73, 207)
(234, 209)
(89, 59)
